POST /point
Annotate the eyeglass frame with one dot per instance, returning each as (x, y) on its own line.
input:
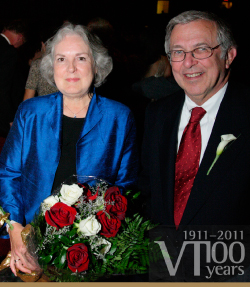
(212, 51)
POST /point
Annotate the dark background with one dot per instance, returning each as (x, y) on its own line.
(129, 17)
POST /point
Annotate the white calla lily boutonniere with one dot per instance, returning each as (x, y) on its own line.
(225, 140)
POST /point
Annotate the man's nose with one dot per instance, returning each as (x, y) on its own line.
(189, 60)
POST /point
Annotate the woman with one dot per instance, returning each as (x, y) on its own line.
(73, 131)
(36, 83)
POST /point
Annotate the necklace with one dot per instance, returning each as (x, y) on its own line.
(77, 112)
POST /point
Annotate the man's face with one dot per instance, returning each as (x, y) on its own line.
(200, 79)
(17, 40)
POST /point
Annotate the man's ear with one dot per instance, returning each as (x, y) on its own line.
(19, 40)
(231, 54)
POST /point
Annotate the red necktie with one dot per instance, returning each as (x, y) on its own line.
(187, 163)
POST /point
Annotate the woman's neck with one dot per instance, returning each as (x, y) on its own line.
(76, 107)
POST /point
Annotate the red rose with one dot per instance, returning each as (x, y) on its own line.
(86, 192)
(119, 207)
(110, 226)
(78, 257)
(60, 215)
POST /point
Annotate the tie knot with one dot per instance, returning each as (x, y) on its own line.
(197, 114)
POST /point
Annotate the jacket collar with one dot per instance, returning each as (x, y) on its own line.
(94, 115)
(54, 115)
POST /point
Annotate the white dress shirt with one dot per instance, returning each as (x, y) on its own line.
(211, 106)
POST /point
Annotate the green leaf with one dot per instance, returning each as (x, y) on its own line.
(113, 249)
(143, 268)
(72, 233)
(56, 248)
(1, 209)
(127, 192)
(136, 195)
(64, 239)
(62, 258)
(75, 241)
(55, 261)
(47, 259)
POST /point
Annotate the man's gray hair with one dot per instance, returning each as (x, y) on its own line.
(102, 62)
(224, 34)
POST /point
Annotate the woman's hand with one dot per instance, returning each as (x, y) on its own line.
(20, 258)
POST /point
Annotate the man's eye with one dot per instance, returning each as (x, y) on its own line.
(177, 53)
(202, 49)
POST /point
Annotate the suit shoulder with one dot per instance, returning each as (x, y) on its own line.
(6, 48)
(167, 103)
(238, 89)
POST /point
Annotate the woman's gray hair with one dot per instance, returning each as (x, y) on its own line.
(224, 34)
(102, 62)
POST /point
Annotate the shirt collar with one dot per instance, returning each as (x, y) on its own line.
(6, 38)
(211, 106)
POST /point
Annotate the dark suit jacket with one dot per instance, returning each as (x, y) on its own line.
(8, 62)
(219, 199)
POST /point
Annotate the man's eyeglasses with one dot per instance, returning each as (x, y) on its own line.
(198, 53)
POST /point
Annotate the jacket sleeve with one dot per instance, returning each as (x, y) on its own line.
(10, 171)
(128, 171)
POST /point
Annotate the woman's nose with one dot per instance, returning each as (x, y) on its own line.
(72, 66)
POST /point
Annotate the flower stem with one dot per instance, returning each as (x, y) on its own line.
(216, 158)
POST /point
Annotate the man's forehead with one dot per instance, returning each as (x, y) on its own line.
(195, 32)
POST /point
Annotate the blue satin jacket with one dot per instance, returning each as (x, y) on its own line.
(106, 148)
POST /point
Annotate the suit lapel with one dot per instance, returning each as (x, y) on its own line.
(229, 120)
(168, 151)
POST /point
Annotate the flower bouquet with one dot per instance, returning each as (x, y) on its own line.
(82, 233)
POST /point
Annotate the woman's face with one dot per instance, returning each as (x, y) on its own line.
(73, 66)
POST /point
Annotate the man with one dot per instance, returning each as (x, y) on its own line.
(181, 194)
(12, 37)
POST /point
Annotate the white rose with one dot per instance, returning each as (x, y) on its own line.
(89, 226)
(106, 243)
(70, 193)
(49, 202)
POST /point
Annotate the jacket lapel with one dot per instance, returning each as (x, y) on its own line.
(54, 115)
(229, 120)
(94, 115)
(168, 151)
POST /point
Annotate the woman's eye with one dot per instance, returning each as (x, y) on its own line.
(81, 58)
(60, 59)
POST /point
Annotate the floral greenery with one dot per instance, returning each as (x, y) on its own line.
(129, 252)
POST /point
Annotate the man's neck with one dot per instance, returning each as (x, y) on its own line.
(14, 38)
(7, 39)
